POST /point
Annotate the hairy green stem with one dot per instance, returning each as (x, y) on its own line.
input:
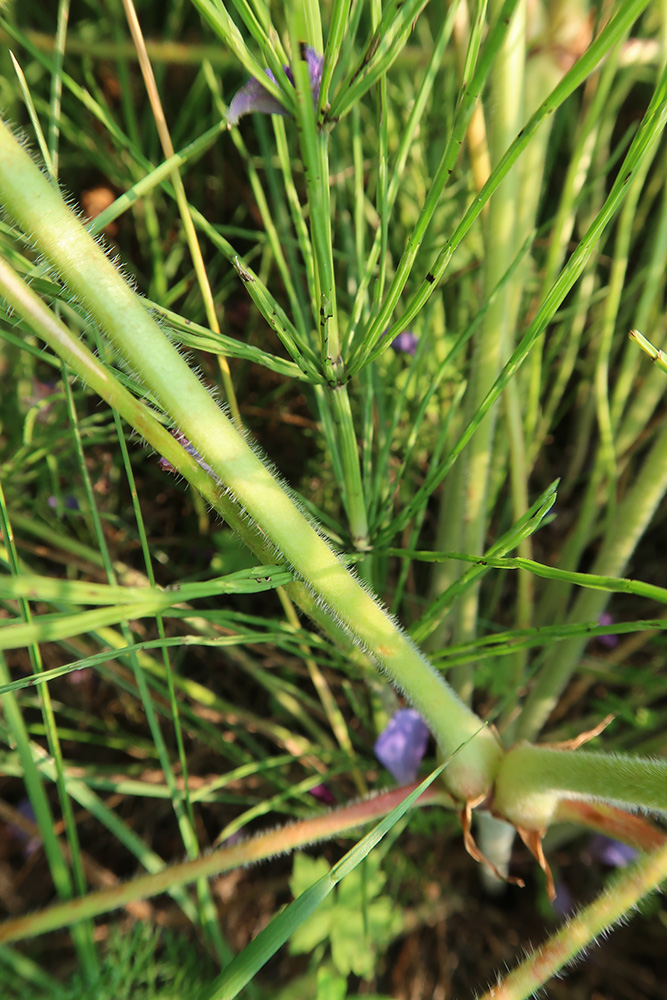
(262, 846)
(617, 900)
(532, 780)
(34, 203)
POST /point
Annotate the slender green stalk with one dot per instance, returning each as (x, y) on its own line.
(408, 134)
(612, 32)
(181, 804)
(657, 356)
(262, 846)
(31, 199)
(580, 931)
(314, 144)
(383, 47)
(525, 527)
(65, 884)
(338, 21)
(188, 225)
(445, 167)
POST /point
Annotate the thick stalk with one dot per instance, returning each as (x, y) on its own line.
(35, 204)
(497, 332)
(532, 780)
(542, 74)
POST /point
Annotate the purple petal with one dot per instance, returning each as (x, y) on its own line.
(563, 903)
(324, 794)
(612, 852)
(406, 342)
(401, 746)
(255, 97)
(315, 63)
(29, 844)
(607, 640)
(68, 503)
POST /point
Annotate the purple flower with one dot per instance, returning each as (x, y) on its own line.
(563, 902)
(607, 640)
(255, 97)
(323, 794)
(611, 852)
(68, 503)
(28, 844)
(401, 746)
(406, 342)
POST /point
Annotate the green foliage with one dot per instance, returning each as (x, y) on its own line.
(517, 225)
(357, 921)
(139, 962)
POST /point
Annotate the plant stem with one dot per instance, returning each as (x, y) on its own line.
(314, 143)
(629, 523)
(616, 901)
(497, 333)
(264, 845)
(35, 203)
(181, 198)
(532, 780)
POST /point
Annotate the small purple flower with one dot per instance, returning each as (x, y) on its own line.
(323, 794)
(607, 640)
(401, 746)
(29, 844)
(406, 342)
(84, 675)
(68, 503)
(255, 97)
(563, 903)
(611, 852)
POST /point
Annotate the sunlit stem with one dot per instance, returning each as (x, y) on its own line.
(31, 200)
(532, 780)
(264, 845)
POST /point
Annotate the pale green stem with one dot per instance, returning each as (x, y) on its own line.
(349, 453)
(625, 526)
(494, 342)
(542, 74)
(495, 838)
(31, 200)
(532, 780)
(657, 356)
